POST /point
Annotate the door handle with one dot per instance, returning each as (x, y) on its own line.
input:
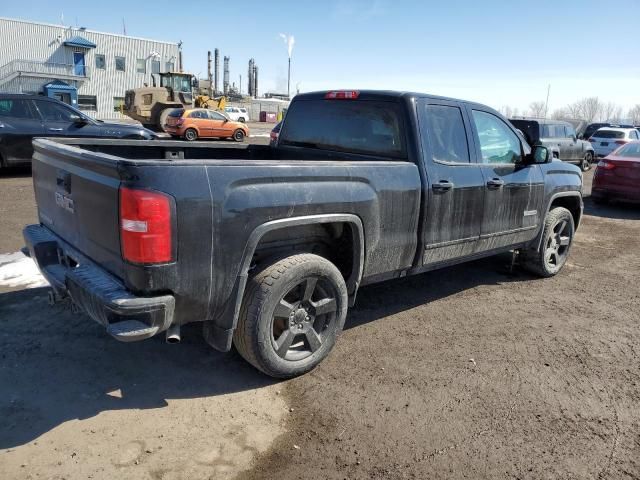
(442, 186)
(495, 183)
(55, 129)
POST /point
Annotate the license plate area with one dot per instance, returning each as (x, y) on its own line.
(604, 144)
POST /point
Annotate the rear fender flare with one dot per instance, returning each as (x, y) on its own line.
(352, 282)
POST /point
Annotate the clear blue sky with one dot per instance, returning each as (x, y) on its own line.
(496, 52)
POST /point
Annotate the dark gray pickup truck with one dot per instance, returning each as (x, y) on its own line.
(268, 246)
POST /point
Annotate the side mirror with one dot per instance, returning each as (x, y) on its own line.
(78, 120)
(539, 154)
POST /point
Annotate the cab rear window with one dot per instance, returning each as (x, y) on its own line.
(354, 126)
(608, 134)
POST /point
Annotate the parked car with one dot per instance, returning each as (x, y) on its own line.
(608, 139)
(617, 176)
(23, 117)
(273, 136)
(594, 127)
(237, 114)
(559, 137)
(269, 247)
(195, 123)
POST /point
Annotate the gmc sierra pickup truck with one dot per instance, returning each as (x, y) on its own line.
(268, 246)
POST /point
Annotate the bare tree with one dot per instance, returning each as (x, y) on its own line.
(591, 108)
(634, 114)
(560, 114)
(537, 109)
(611, 112)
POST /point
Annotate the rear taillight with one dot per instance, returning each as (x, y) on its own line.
(180, 121)
(342, 95)
(145, 226)
(603, 164)
(620, 142)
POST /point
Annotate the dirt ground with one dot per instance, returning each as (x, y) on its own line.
(469, 372)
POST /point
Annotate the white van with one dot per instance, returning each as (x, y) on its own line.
(237, 114)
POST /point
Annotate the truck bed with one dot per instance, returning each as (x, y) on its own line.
(222, 195)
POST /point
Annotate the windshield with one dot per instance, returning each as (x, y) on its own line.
(609, 134)
(629, 150)
(370, 127)
(179, 83)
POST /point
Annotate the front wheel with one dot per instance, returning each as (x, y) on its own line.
(241, 119)
(291, 315)
(586, 161)
(238, 135)
(557, 238)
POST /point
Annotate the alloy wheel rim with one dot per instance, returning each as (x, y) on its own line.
(558, 243)
(302, 318)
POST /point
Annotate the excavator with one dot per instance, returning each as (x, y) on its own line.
(151, 105)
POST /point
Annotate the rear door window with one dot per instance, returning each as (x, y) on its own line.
(447, 135)
(353, 126)
(17, 108)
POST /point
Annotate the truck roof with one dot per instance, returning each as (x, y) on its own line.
(381, 95)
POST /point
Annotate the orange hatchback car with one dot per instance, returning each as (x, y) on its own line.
(195, 123)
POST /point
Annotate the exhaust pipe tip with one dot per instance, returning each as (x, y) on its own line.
(173, 334)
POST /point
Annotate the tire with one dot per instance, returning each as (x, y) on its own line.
(241, 119)
(585, 164)
(238, 135)
(557, 239)
(190, 135)
(291, 315)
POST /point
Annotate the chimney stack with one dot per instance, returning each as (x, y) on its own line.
(225, 75)
(216, 74)
(209, 73)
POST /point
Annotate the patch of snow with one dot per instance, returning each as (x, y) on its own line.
(18, 270)
(260, 135)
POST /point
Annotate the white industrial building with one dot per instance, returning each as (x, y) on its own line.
(89, 70)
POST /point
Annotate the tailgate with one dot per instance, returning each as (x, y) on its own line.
(77, 195)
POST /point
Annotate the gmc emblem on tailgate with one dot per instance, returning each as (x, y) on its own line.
(64, 202)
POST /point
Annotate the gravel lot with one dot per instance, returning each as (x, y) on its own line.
(469, 372)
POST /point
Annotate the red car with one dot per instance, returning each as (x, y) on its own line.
(617, 176)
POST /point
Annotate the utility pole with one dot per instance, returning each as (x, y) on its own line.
(546, 105)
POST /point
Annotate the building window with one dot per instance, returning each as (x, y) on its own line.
(170, 66)
(87, 102)
(101, 62)
(120, 64)
(155, 66)
(141, 65)
(118, 104)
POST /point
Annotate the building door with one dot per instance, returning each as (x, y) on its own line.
(63, 97)
(78, 64)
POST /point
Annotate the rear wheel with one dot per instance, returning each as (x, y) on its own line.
(291, 315)
(238, 135)
(557, 238)
(190, 135)
(241, 119)
(586, 161)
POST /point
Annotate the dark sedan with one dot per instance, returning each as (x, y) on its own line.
(617, 176)
(23, 117)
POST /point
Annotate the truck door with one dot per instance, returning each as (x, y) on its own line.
(513, 190)
(455, 190)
